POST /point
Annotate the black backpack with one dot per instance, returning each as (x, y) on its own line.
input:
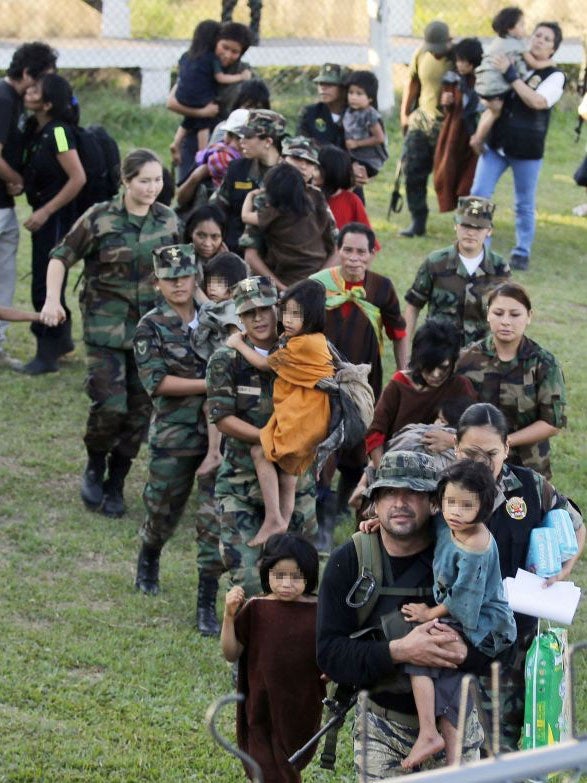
(100, 158)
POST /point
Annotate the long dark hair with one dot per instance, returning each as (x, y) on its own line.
(475, 477)
(337, 169)
(204, 38)
(57, 91)
(286, 190)
(434, 342)
(289, 546)
(311, 297)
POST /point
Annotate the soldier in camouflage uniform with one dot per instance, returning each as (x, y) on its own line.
(420, 118)
(240, 403)
(255, 7)
(116, 239)
(401, 493)
(455, 282)
(174, 378)
(519, 377)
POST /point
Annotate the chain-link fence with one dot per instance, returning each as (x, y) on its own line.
(151, 34)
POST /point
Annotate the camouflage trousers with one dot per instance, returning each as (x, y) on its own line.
(418, 159)
(169, 484)
(241, 511)
(388, 741)
(120, 407)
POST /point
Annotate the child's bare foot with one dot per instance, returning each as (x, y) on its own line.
(175, 154)
(424, 747)
(270, 526)
(209, 464)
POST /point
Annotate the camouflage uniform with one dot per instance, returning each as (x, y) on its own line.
(236, 388)
(444, 284)
(117, 290)
(178, 437)
(529, 388)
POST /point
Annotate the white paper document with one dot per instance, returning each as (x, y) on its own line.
(527, 595)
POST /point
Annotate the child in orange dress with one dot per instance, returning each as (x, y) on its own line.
(301, 413)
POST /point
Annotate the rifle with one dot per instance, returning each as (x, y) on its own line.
(396, 201)
(339, 708)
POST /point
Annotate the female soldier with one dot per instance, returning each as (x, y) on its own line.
(116, 239)
(53, 177)
(522, 379)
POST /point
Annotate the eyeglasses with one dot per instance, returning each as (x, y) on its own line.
(281, 576)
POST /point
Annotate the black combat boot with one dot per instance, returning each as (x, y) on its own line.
(206, 619)
(417, 228)
(45, 359)
(147, 580)
(92, 489)
(64, 343)
(118, 467)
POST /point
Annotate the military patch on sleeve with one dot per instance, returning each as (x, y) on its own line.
(142, 348)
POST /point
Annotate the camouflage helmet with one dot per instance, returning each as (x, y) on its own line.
(254, 292)
(405, 470)
(300, 147)
(174, 261)
(475, 211)
(332, 73)
(263, 122)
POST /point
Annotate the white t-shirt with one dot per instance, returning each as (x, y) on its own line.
(551, 88)
(472, 264)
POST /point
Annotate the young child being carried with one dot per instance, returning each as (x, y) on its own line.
(274, 638)
(214, 50)
(468, 589)
(490, 83)
(217, 319)
(363, 127)
(301, 413)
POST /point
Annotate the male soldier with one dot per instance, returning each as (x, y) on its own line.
(420, 118)
(401, 494)
(455, 282)
(174, 378)
(255, 7)
(28, 63)
(240, 403)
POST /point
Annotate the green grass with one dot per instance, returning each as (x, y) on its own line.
(100, 684)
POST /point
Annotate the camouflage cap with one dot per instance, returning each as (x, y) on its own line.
(475, 211)
(174, 261)
(254, 292)
(263, 122)
(405, 469)
(332, 73)
(437, 37)
(300, 147)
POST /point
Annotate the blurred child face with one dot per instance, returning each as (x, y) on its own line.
(459, 506)
(177, 291)
(292, 317)
(304, 166)
(519, 29)
(464, 67)
(217, 289)
(357, 98)
(228, 52)
(286, 580)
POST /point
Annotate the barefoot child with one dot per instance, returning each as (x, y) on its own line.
(363, 127)
(468, 588)
(301, 413)
(490, 83)
(274, 638)
(201, 69)
(217, 319)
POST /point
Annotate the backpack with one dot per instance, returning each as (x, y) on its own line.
(100, 158)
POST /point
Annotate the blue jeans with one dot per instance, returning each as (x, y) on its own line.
(490, 167)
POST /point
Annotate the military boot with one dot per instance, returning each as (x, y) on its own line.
(92, 489)
(118, 467)
(417, 228)
(147, 580)
(45, 359)
(206, 619)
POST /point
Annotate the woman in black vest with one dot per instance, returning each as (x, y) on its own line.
(523, 498)
(53, 177)
(517, 138)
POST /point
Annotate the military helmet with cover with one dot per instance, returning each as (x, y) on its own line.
(174, 261)
(253, 292)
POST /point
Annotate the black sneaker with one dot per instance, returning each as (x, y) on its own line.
(519, 262)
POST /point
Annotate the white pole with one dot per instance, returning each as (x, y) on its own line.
(379, 51)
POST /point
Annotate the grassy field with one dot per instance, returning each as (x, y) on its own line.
(98, 683)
